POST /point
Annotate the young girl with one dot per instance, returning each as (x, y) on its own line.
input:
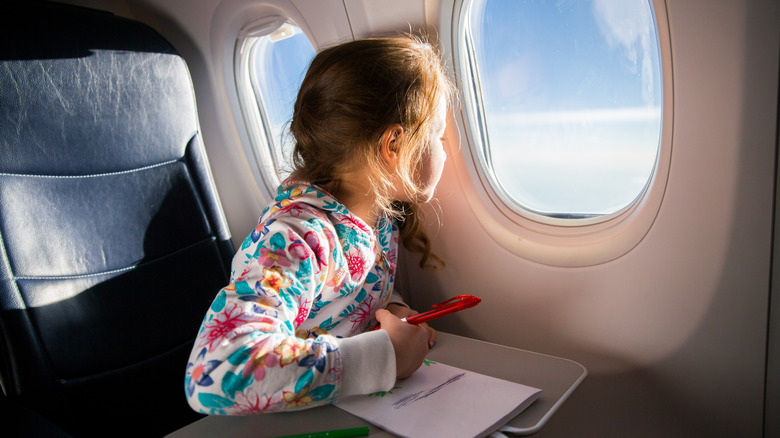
(293, 328)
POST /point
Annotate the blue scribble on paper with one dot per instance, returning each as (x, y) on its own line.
(411, 398)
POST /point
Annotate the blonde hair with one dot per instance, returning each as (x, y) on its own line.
(350, 95)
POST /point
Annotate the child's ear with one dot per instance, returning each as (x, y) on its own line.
(389, 144)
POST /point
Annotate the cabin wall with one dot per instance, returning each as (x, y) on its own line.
(674, 332)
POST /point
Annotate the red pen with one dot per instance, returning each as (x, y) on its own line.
(450, 306)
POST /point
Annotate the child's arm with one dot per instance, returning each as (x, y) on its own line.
(247, 358)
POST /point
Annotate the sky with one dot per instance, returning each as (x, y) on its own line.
(279, 68)
(572, 96)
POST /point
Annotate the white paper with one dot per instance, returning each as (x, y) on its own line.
(440, 400)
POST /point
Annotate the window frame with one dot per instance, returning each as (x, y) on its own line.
(545, 239)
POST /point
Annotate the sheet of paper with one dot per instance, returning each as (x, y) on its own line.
(440, 400)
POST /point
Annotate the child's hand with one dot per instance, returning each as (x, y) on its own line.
(410, 343)
(405, 312)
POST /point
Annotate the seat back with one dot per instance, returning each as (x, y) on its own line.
(113, 243)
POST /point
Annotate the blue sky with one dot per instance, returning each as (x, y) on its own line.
(572, 93)
(568, 54)
(279, 68)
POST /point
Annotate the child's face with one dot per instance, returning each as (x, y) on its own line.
(432, 163)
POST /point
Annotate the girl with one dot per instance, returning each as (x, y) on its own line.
(291, 330)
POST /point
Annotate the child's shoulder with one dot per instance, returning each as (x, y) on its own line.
(295, 220)
(299, 204)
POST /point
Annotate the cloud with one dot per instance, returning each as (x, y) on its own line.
(629, 25)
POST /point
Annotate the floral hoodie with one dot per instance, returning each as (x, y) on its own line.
(289, 331)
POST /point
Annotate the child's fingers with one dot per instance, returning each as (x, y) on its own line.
(431, 335)
(383, 315)
(410, 342)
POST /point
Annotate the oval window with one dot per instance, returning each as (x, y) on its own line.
(272, 61)
(568, 99)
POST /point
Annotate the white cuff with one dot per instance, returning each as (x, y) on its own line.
(367, 363)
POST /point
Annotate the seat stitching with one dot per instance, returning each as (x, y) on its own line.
(121, 172)
(72, 277)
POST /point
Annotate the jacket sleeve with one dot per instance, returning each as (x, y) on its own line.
(246, 358)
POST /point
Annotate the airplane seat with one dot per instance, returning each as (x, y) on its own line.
(112, 240)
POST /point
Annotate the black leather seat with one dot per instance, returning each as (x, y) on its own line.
(113, 240)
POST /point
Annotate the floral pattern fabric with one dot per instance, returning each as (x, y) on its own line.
(310, 272)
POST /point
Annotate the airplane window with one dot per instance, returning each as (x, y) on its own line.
(567, 101)
(273, 60)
